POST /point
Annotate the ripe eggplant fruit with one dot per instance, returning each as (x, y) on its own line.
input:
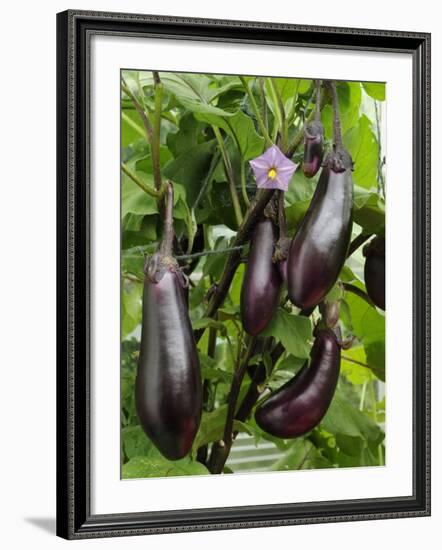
(319, 247)
(313, 148)
(168, 391)
(300, 404)
(374, 271)
(262, 281)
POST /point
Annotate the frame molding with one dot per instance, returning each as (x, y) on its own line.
(74, 29)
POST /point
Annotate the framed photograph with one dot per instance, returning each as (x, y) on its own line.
(243, 274)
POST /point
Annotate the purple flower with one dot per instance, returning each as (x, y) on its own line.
(273, 170)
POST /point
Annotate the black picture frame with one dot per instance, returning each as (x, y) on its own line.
(74, 518)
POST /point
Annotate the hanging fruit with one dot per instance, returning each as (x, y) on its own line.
(374, 270)
(262, 281)
(300, 404)
(319, 248)
(168, 384)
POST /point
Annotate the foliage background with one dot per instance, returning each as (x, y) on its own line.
(193, 108)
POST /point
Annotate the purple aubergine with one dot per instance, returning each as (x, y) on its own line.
(301, 403)
(168, 384)
(374, 271)
(313, 148)
(319, 247)
(262, 280)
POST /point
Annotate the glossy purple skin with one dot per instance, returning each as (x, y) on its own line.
(300, 404)
(319, 247)
(313, 149)
(168, 384)
(374, 275)
(262, 280)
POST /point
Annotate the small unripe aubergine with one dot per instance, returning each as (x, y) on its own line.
(313, 148)
(168, 384)
(374, 271)
(319, 247)
(301, 403)
(262, 281)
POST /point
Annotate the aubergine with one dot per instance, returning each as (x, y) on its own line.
(168, 392)
(301, 403)
(319, 248)
(313, 148)
(262, 281)
(374, 271)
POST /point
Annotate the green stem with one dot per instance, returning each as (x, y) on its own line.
(244, 183)
(256, 112)
(156, 138)
(142, 113)
(280, 114)
(139, 182)
(229, 173)
(356, 290)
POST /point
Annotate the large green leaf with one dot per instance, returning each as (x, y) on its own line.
(191, 90)
(342, 418)
(375, 89)
(241, 128)
(293, 331)
(142, 467)
(190, 169)
(369, 210)
(364, 149)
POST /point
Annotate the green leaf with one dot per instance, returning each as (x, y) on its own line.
(342, 418)
(212, 427)
(376, 90)
(191, 90)
(130, 307)
(136, 201)
(135, 442)
(190, 169)
(293, 331)
(241, 128)
(349, 95)
(369, 211)
(142, 467)
(364, 149)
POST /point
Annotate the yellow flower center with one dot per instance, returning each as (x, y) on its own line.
(272, 173)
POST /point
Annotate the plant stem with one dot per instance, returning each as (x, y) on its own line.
(355, 361)
(356, 290)
(209, 252)
(229, 174)
(299, 137)
(168, 234)
(243, 182)
(221, 450)
(280, 114)
(263, 102)
(362, 400)
(337, 136)
(318, 101)
(139, 182)
(256, 112)
(156, 138)
(282, 222)
(357, 242)
(207, 180)
(143, 115)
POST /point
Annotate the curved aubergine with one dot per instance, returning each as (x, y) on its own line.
(374, 271)
(313, 148)
(300, 404)
(262, 281)
(319, 247)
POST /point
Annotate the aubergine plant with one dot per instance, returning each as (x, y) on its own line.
(251, 309)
